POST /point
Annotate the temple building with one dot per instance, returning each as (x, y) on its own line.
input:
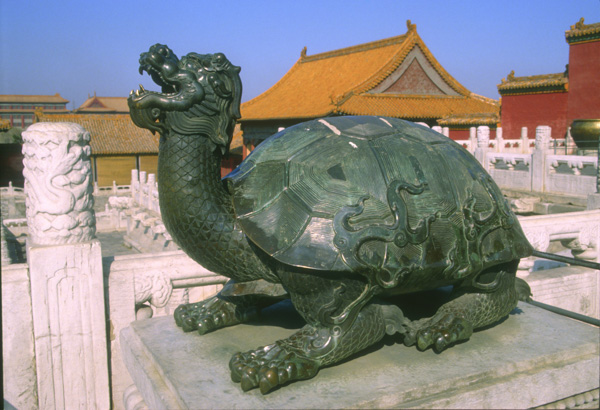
(19, 110)
(556, 99)
(118, 145)
(396, 77)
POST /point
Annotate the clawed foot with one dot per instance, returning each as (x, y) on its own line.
(439, 332)
(268, 367)
(211, 314)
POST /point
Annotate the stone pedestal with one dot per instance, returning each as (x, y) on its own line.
(69, 325)
(19, 385)
(532, 358)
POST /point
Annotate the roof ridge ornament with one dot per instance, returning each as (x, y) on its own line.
(578, 25)
(410, 26)
(303, 53)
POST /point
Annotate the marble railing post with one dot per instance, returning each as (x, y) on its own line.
(151, 183)
(472, 139)
(483, 143)
(524, 141)
(499, 140)
(538, 158)
(65, 265)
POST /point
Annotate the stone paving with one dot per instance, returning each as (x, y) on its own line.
(113, 243)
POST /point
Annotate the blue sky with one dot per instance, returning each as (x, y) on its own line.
(76, 48)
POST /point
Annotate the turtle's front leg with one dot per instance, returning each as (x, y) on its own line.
(301, 355)
(214, 313)
(235, 303)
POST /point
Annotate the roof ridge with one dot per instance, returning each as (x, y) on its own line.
(388, 68)
(511, 76)
(415, 96)
(270, 89)
(355, 49)
(589, 32)
(484, 98)
(398, 59)
(556, 81)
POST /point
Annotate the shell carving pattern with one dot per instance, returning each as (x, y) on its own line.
(58, 186)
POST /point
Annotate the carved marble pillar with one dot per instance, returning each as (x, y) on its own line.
(483, 143)
(65, 264)
(542, 137)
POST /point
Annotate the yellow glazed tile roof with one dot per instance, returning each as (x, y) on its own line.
(414, 106)
(32, 99)
(581, 32)
(111, 134)
(339, 81)
(558, 82)
(104, 104)
(238, 138)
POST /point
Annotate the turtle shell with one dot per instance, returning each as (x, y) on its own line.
(371, 193)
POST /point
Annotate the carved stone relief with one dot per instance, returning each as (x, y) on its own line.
(58, 177)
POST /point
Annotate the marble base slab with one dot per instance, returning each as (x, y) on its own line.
(532, 358)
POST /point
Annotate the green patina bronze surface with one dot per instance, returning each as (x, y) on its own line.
(335, 214)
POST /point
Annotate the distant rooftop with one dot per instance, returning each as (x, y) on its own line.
(101, 105)
(111, 134)
(397, 76)
(581, 32)
(558, 82)
(32, 99)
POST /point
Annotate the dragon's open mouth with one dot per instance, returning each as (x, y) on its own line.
(167, 88)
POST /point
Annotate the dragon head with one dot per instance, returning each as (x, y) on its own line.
(200, 94)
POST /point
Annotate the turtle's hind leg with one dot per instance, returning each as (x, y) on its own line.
(470, 309)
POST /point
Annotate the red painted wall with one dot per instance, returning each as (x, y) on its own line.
(584, 81)
(459, 134)
(531, 110)
(464, 134)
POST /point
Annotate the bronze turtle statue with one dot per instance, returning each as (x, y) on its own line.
(333, 214)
